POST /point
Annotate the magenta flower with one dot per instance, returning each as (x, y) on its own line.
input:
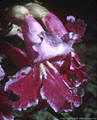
(72, 64)
(45, 77)
(77, 26)
(5, 105)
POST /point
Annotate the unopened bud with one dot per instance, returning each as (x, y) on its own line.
(18, 13)
(36, 10)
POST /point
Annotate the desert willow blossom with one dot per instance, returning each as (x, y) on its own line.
(48, 66)
(54, 25)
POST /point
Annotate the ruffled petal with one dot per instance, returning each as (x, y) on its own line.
(26, 84)
(66, 67)
(16, 55)
(53, 46)
(72, 66)
(54, 25)
(58, 92)
(77, 26)
(80, 69)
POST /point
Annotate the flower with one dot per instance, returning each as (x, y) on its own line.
(72, 64)
(5, 105)
(77, 26)
(43, 78)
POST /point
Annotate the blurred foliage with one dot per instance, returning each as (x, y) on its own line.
(87, 51)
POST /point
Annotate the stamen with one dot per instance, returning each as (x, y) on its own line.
(73, 54)
(51, 66)
(42, 72)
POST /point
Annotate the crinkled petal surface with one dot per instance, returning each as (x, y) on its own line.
(53, 46)
(58, 93)
(77, 26)
(72, 66)
(26, 84)
(79, 68)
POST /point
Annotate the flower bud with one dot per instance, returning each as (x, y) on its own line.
(36, 10)
(18, 12)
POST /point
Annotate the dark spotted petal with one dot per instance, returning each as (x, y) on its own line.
(26, 84)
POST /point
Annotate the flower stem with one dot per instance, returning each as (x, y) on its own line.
(57, 115)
